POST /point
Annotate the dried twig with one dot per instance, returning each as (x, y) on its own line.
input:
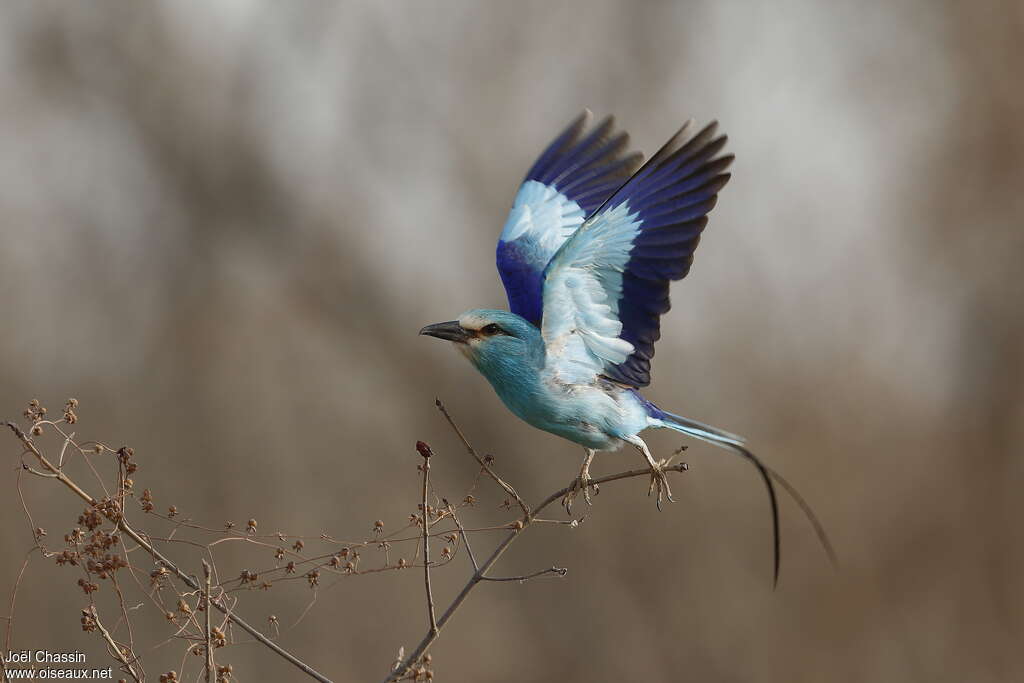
(483, 463)
(116, 650)
(188, 580)
(463, 536)
(207, 630)
(561, 571)
(425, 451)
(480, 575)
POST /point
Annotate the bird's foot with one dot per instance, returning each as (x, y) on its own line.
(583, 483)
(659, 481)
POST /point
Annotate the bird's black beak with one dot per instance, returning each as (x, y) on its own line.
(451, 330)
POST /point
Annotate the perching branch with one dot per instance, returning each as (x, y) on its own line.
(530, 516)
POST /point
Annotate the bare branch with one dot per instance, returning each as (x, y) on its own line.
(463, 536)
(116, 650)
(480, 575)
(425, 451)
(188, 580)
(207, 629)
(560, 571)
(483, 463)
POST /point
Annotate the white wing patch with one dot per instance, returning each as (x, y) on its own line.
(582, 288)
(543, 214)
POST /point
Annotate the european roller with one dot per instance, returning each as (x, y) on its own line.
(587, 254)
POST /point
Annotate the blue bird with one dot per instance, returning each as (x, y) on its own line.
(586, 256)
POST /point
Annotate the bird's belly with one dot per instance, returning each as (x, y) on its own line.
(583, 414)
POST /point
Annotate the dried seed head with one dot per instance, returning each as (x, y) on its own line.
(88, 621)
(69, 411)
(424, 449)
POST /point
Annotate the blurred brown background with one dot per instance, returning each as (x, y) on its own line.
(222, 225)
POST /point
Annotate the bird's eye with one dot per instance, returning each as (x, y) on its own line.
(493, 328)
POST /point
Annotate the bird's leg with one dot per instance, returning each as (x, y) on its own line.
(582, 482)
(658, 479)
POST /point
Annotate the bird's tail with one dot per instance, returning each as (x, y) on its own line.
(698, 430)
(731, 442)
(723, 439)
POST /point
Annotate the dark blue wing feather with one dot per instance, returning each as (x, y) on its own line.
(670, 197)
(606, 288)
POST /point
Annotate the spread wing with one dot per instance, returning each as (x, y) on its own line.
(607, 287)
(571, 178)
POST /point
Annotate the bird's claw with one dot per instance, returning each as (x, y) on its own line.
(659, 482)
(582, 483)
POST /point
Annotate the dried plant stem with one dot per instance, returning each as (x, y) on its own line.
(480, 575)
(10, 615)
(206, 627)
(483, 463)
(188, 580)
(561, 571)
(465, 538)
(426, 541)
(114, 647)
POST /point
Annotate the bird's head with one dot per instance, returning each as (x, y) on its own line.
(488, 337)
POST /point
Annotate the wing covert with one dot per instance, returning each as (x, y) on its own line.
(574, 175)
